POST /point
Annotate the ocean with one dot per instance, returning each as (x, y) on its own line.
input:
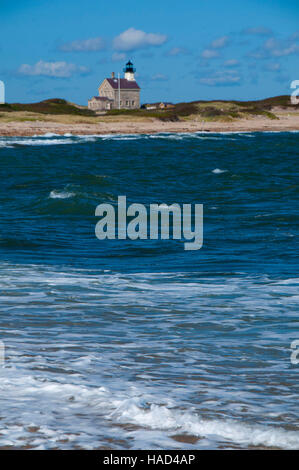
(123, 344)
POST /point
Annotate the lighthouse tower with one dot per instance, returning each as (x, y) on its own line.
(129, 72)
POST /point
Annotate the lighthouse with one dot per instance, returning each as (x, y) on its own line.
(129, 72)
(117, 93)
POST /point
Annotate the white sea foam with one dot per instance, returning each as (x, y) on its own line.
(121, 136)
(50, 134)
(4, 144)
(131, 406)
(45, 140)
(218, 171)
(174, 420)
(51, 138)
(60, 194)
(64, 377)
(37, 141)
(166, 136)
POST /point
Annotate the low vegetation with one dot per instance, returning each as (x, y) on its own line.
(53, 106)
(219, 110)
(60, 110)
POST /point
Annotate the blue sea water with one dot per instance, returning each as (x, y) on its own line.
(121, 344)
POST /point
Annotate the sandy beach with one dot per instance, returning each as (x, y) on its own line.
(287, 122)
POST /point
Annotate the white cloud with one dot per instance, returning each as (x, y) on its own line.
(209, 54)
(219, 43)
(175, 51)
(276, 48)
(52, 69)
(222, 79)
(231, 63)
(159, 77)
(257, 31)
(93, 44)
(279, 49)
(272, 67)
(212, 50)
(117, 56)
(133, 39)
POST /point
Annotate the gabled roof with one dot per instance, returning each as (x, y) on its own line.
(101, 98)
(124, 84)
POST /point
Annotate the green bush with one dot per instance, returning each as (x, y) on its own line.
(52, 106)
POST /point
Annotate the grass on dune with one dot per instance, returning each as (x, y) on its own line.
(219, 110)
(52, 106)
(62, 111)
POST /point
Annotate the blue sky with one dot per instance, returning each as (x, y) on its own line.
(183, 51)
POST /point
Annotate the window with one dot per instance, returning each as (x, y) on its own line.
(127, 103)
(133, 103)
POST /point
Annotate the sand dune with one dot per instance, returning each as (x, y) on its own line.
(286, 122)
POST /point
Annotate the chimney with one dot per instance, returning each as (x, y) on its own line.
(112, 75)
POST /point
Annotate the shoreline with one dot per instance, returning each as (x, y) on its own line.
(29, 128)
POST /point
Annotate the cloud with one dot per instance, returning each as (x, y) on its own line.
(159, 77)
(219, 43)
(52, 69)
(175, 51)
(86, 45)
(231, 63)
(273, 47)
(212, 50)
(258, 54)
(133, 39)
(272, 67)
(117, 56)
(280, 49)
(209, 54)
(257, 31)
(219, 78)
